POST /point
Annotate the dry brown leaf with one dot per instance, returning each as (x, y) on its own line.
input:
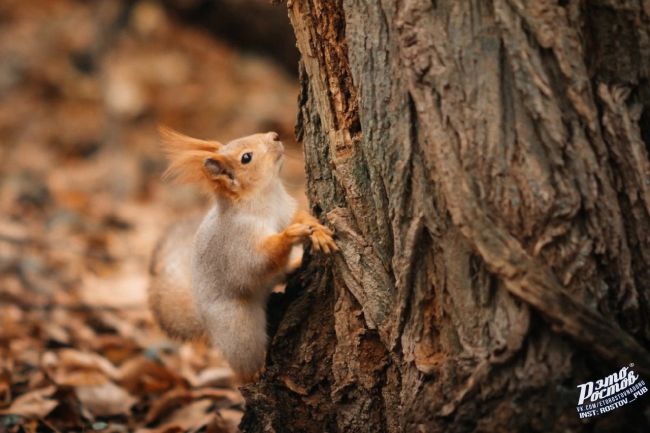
(5, 389)
(70, 367)
(13, 231)
(56, 333)
(178, 397)
(79, 378)
(38, 379)
(141, 375)
(219, 377)
(124, 290)
(72, 358)
(106, 399)
(10, 321)
(232, 418)
(221, 424)
(190, 418)
(167, 402)
(232, 397)
(81, 333)
(6, 367)
(124, 326)
(115, 348)
(34, 404)
(25, 351)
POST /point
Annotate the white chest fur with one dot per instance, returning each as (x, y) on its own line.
(226, 261)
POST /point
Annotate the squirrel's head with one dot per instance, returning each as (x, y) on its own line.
(241, 168)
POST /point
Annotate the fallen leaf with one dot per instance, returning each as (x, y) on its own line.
(141, 375)
(106, 400)
(167, 402)
(120, 291)
(190, 418)
(6, 366)
(219, 377)
(178, 397)
(70, 367)
(34, 404)
(232, 418)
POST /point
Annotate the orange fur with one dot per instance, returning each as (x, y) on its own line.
(277, 248)
(302, 217)
(176, 142)
(187, 156)
(321, 236)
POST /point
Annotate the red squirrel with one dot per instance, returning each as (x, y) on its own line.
(212, 276)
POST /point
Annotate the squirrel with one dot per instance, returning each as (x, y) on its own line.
(212, 276)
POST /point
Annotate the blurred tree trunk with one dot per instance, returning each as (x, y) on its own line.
(485, 166)
(250, 25)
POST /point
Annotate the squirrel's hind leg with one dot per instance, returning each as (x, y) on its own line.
(237, 327)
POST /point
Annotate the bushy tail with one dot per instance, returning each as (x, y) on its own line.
(170, 292)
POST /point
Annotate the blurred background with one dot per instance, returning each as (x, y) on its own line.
(83, 86)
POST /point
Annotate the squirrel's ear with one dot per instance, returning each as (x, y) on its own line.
(215, 167)
(220, 176)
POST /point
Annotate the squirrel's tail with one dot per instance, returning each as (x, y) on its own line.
(170, 293)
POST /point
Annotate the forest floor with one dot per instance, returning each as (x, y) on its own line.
(83, 86)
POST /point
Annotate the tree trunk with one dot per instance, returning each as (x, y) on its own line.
(485, 167)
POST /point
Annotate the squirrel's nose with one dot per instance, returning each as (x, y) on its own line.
(275, 142)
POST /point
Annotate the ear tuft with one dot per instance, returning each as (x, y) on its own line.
(174, 142)
(186, 156)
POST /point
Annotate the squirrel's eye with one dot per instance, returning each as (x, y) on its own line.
(247, 157)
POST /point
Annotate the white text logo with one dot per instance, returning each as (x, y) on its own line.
(612, 392)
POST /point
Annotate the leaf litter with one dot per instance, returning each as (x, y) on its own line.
(83, 86)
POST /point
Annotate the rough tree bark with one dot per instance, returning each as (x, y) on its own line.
(485, 166)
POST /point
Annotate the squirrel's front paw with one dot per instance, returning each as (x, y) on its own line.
(321, 239)
(298, 231)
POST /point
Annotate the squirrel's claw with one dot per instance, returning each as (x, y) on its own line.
(321, 239)
(315, 244)
(320, 236)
